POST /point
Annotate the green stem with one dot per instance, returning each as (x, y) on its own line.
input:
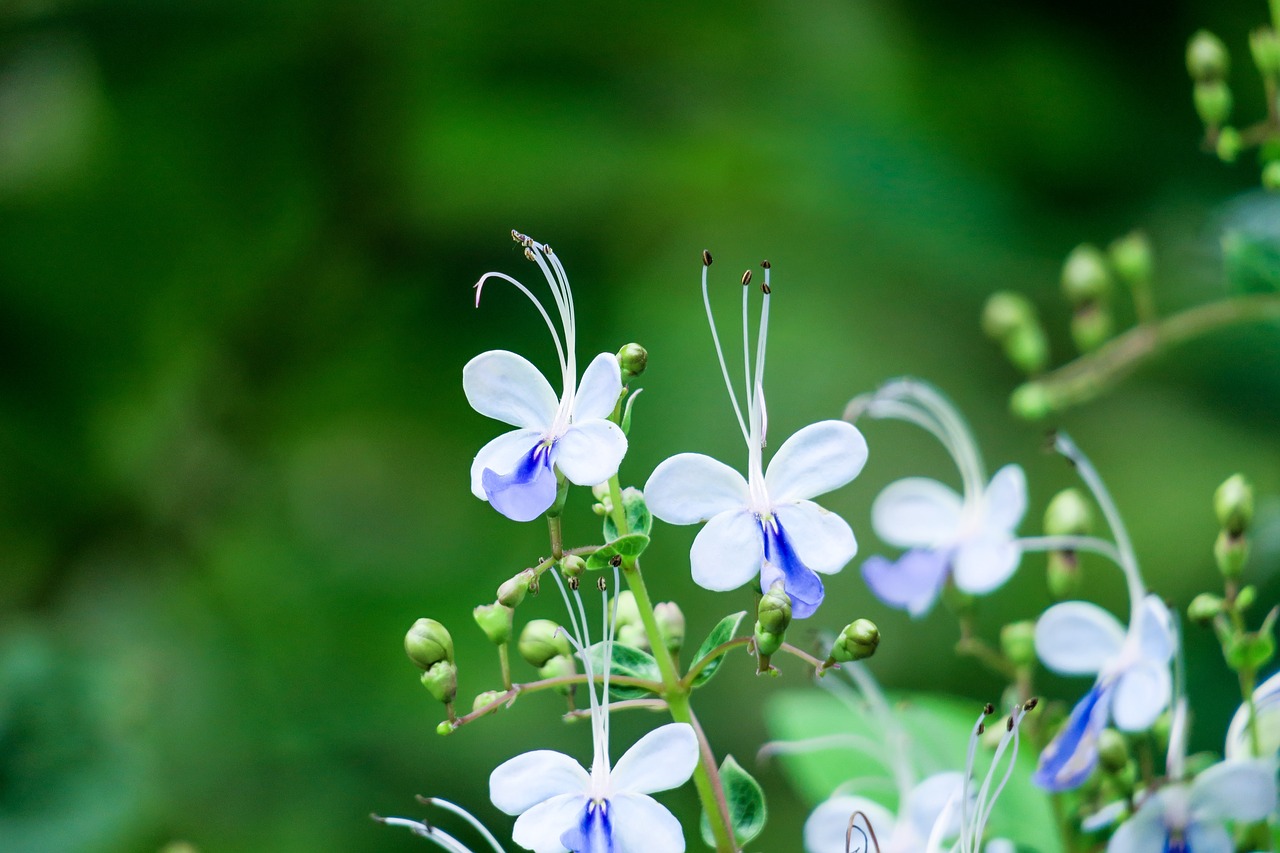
(1275, 14)
(1093, 373)
(730, 645)
(557, 538)
(504, 660)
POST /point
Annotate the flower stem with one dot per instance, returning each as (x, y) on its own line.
(729, 645)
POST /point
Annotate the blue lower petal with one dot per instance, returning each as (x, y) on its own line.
(528, 491)
(912, 583)
(1071, 757)
(780, 561)
(593, 832)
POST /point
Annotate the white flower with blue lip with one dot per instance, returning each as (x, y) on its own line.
(569, 433)
(766, 523)
(969, 538)
(562, 806)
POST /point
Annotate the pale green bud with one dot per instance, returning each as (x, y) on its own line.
(1018, 642)
(1265, 47)
(1204, 608)
(1005, 312)
(632, 359)
(670, 621)
(541, 640)
(572, 566)
(1068, 514)
(1113, 751)
(1213, 102)
(1206, 56)
(1233, 504)
(1028, 349)
(559, 666)
(774, 612)
(1246, 597)
(1271, 176)
(767, 643)
(513, 589)
(441, 681)
(495, 620)
(858, 641)
(1131, 257)
(487, 698)
(1062, 573)
(428, 643)
(1228, 145)
(1230, 553)
(1091, 326)
(1031, 401)
(1085, 277)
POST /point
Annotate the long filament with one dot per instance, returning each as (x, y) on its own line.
(724, 370)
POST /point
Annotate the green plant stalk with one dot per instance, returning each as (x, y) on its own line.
(729, 645)
(1275, 14)
(1247, 673)
(504, 661)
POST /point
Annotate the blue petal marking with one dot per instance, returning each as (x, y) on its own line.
(593, 832)
(912, 583)
(528, 491)
(1176, 845)
(780, 561)
(1071, 757)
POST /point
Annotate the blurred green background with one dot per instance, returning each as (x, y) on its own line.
(237, 243)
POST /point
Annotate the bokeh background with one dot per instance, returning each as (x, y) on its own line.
(237, 243)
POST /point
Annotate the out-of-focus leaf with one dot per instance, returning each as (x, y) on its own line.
(745, 798)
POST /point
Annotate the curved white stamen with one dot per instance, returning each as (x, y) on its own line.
(468, 817)
(746, 342)
(1091, 544)
(762, 335)
(546, 318)
(898, 741)
(724, 370)
(429, 832)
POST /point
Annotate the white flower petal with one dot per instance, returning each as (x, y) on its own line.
(1145, 832)
(1077, 638)
(916, 513)
(539, 829)
(821, 539)
(727, 552)
(818, 459)
(1266, 699)
(643, 825)
(1141, 694)
(1209, 838)
(1006, 499)
(662, 759)
(590, 451)
(929, 799)
(522, 782)
(599, 388)
(824, 831)
(691, 487)
(507, 387)
(1235, 790)
(1156, 630)
(982, 565)
(502, 455)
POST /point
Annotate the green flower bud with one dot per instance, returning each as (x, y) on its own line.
(1230, 553)
(541, 640)
(774, 611)
(1005, 313)
(1204, 608)
(1131, 257)
(559, 666)
(767, 644)
(572, 566)
(1018, 642)
(441, 681)
(1062, 573)
(1091, 326)
(1265, 47)
(1229, 144)
(1233, 503)
(487, 698)
(857, 641)
(1068, 514)
(1161, 730)
(428, 643)
(1213, 102)
(513, 589)
(1206, 56)
(1271, 176)
(671, 623)
(495, 620)
(1246, 597)
(1085, 277)
(1031, 401)
(1113, 751)
(633, 359)
(1028, 349)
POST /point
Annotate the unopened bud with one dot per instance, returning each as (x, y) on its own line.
(857, 641)
(632, 359)
(1213, 102)
(1068, 514)
(1091, 326)
(541, 640)
(1204, 608)
(1162, 730)
(560, 666)
(1271, 176)
(1028, 349)
(1246, 597)
(1062, 573)
(1031, 401)
(485, 699)
(1206, 56)
(774, 612)
(572, 566)
(1085, 277)
(1228, 145)
(1113, 751)
(1131, 257)
(1004, 313)
(495, 620)
(441, 681)
(767, 643)
(1265, 47)
(513, 589)
(1230, 553)
(1018, 642)
(670, 621)
(428, 643)
(1233, 503)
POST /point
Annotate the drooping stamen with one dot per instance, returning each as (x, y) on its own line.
(978, 728)
(985, 803)
(546, 318)
(848, 834)
(715, 339)
(465, 815)
(425, 830)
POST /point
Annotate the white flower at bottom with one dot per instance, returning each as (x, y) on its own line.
(562, 807)
(826, 829)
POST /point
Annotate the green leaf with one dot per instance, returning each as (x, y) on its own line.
(631, 545)
(1251, 245)
(722, 633)
(937, 728)
(637, 512)
(745, 798)
(628, 661)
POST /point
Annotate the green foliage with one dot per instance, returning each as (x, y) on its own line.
(627, 661)
(639, 520)
(631, 545)
(722, 633)
(745, 799)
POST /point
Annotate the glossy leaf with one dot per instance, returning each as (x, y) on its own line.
(637, 512)
(627, 661)
(631, 545)
(745, 798)
(722, 633)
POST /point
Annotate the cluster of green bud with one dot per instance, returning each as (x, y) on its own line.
(495, 620)
(485, 699)
(858, 641)
(545, 646)
(1131, 258)
(514, 589)
(573, 567)
(1068, 514)
(1018, 642)
(670, 619)
(1207, 63)
(430, 647)
(604, 501)
(1264, 45)
(630, 627)
(1086, 282)
(632, 359)
(772, 618)
(1010, 320)
(1233, 504)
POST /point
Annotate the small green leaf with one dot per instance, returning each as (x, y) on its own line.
(627, 661)
(638, 518)
(631, 545)
(626, 413)
(745, 798)
(722, 633)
